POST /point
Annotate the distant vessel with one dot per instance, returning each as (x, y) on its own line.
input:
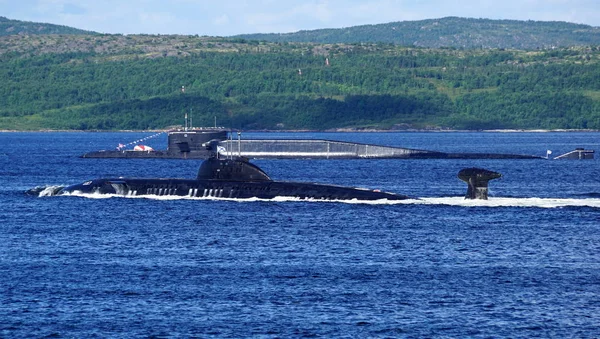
(191, 144)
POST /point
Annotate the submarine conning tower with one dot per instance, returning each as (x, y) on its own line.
(477, 181)
(193, 139)
(238, 169)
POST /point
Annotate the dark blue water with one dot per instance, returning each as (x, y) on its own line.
(526, 263)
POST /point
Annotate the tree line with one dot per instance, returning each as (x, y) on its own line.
(304, 86)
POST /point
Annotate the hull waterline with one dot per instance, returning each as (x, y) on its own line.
(225, 189)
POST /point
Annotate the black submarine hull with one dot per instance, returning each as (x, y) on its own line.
(236, 178)
(225, 189)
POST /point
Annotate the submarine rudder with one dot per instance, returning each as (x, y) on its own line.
(477, 180)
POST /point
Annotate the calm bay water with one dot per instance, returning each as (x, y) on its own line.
(525, 263)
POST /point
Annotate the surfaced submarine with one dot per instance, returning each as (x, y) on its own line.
(236, 178)
(477, 181)
(226, 178)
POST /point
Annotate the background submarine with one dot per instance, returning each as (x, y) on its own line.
(189, 143)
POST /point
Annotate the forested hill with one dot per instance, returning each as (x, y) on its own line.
(452, 32)
(134, 82)
(11, 27)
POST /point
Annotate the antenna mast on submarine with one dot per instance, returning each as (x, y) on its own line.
(239, 133)
(185, 127)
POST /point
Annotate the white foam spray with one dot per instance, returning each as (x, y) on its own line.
(493, 202)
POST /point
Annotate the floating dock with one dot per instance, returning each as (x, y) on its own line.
(332, 149)
(314, 149)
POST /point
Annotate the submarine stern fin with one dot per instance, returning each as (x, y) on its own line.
(477, 180)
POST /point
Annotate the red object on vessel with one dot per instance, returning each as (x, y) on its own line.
(142, 148)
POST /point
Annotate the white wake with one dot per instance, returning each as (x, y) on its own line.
(447, 201)
(512, 202)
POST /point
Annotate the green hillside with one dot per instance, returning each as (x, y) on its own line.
(11, 27)
(134, 82)
(452, 32)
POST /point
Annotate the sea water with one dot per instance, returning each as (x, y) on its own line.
(525, 263)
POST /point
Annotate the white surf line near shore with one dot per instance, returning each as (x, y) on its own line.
(440, 201)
